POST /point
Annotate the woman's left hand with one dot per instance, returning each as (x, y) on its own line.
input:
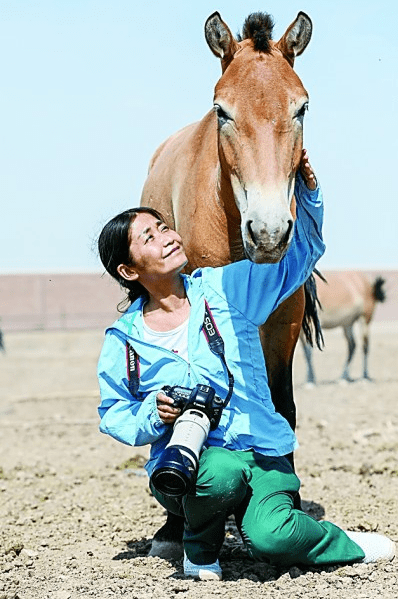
(167, 414)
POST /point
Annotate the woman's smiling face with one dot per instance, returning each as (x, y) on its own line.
(156, 250)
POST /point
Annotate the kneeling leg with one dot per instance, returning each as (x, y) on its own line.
(221, 486)
(274, 531)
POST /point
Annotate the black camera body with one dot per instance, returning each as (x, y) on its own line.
(176, 470)
(202, 398)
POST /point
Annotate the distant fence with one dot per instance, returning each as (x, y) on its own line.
(29, 322)
(57, 301)
(83, 301)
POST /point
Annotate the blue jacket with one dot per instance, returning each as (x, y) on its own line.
(241, 296)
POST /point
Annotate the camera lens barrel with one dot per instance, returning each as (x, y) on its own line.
(190, 431)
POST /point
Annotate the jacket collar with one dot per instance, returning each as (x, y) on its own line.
(130, 323)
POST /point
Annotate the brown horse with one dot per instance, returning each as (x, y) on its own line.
(226, 183)
(346, 298)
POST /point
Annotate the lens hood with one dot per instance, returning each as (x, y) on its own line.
(174, 474)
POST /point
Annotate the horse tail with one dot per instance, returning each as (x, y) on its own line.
(378, 292)
(311, 320)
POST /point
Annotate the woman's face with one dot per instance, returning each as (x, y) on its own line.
(155, 249)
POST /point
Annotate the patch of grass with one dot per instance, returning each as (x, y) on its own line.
(134, 462)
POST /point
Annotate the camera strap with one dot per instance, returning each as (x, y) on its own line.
(216, 344)
(214, 340)
(133, 369)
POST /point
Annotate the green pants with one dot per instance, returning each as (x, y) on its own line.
(260, 491)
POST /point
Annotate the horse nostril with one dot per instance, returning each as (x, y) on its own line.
(287, 234)
(250, 231)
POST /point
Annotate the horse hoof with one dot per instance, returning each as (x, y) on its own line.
(166, 549)
(167, 541)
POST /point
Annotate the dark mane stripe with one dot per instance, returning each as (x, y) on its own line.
(258, 26)
(378, 292)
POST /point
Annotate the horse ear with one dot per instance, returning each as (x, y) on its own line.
(220, 39)
(296, 37)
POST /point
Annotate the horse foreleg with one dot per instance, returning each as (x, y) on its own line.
(349, 335)
(279, 336)
(167, 541)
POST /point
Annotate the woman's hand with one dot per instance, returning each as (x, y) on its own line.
(307, 172)
(167, 414)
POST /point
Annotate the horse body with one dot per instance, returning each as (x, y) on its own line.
(226, 183)
(346, 298)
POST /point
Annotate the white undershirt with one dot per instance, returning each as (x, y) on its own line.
(175, 340)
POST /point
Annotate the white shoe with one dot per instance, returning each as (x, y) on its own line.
(374, 546)
(203, 572)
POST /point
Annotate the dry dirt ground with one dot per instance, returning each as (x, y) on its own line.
(76, 515)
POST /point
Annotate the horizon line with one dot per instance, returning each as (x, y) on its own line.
(92, 271)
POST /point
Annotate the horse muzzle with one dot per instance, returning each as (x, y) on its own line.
(263, 246)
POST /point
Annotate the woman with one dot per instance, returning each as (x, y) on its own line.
(242, 468)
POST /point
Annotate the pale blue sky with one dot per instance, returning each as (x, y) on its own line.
(89, 89)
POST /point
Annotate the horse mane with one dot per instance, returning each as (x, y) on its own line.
(378, 292)
(258, 27)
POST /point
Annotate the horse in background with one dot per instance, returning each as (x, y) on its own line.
(226, 183)
(344, 299)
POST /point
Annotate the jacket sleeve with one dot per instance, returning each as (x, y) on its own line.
(131, 420)
(256, 290)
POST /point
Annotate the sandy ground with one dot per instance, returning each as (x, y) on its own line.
(77, 518)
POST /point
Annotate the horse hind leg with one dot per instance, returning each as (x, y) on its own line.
(365, 346)
(349, 335)
(308, 358)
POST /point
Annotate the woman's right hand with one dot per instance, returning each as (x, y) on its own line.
(307, 171)
(167, 414)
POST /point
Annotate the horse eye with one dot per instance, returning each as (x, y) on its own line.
(301, 112)
(222, 116)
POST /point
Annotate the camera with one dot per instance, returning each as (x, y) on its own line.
(175, 472)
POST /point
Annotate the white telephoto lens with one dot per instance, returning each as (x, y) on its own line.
(190, 430)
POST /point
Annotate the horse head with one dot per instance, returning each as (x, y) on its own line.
(259, 104)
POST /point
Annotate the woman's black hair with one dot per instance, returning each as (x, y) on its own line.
(114, 249)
